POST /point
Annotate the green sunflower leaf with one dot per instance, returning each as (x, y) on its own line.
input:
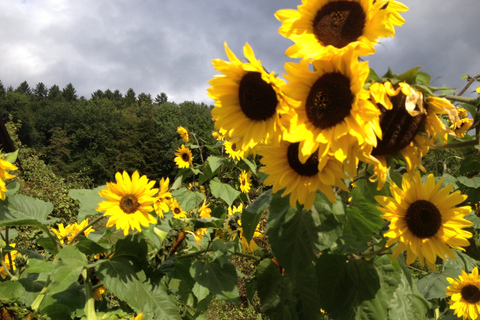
(470, 165)
(223, 191)
(89, 199)
(187, 199)
(359, 289)
(296, 234)
(433, 285)
(363, 217)
(129, 283)
(214, 163)
(21, 210)
(252, 214)
(275, 292)
(251, 165)
(220, 280)
(470, 182)
(66, 271)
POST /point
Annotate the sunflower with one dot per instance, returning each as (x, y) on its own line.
(177, 210)
(183, 133)
(219, 135)
(204, 211)
(183, 157)
(4, 166)
(333, 113)
(71, 230)
(424, 220)
(248, 100)
(233, 150)
(245, 181)
(129, 202)
(465, 295)
(300, 180)
(323, 28)
(6, 260)
(163, 198)
(234, 210)
(193, 186)
(409, 124)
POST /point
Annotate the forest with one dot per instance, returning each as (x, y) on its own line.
(108, 132)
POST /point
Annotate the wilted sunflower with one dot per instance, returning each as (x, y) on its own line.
(323, 28)
(177, 210)
(248, 100)
(183, 133)
(465, 295)
(409, 123)
(163, 198)
(183, 157)
(245, 181)
(333, 113)
(461, 129)
(129, 202)
(424, 220)
(300, 180)
(4, 166)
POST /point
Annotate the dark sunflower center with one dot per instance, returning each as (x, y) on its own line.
(399, 128)
(243, 182)
(309, 168)
(177, 211)
(423, 219)
(257, 98)
(234, 147)
(129, 203)
(185, 157)
(339, 23)
(471, 293)
(329, 101)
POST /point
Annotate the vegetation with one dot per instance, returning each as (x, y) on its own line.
(94, 138)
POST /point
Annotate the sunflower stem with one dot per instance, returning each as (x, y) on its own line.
(375, 252)
(459, 145)
(90, 303)
(472, 101)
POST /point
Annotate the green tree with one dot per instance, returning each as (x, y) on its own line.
(161, 98)
(97, 95)
(24, 88)
(54, 93)
(130, 97)
(2, 90)
(69, 93)
(40, 91)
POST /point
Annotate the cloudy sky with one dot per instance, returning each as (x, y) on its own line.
(167, 45)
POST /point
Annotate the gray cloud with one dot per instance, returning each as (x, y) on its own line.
(168, 46)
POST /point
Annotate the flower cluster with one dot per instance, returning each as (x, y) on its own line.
(333, 113)
(66, 234)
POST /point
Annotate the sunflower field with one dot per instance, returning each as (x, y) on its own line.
(328, 194)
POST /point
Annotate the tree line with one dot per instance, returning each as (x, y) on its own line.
(106, 133)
